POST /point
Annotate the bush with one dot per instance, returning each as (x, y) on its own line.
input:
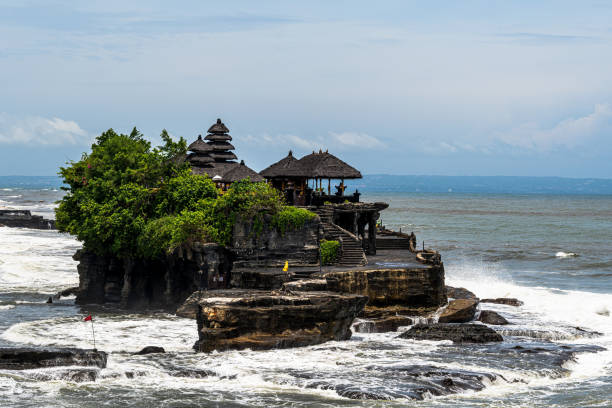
(291, 219)
(329, 252)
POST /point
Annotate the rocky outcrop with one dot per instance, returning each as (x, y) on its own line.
(24, 219)
(241, 319)
(165, 282)
(503, 301)
(413, 287)
(305, 285)
(259, 278)
(491, 317)
(29, 358)
(388, 324)
(459, 293)
(459, 311)
(263, 245)
(150, 350)
(457, 333)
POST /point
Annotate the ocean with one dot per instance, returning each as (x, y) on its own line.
(553, 252)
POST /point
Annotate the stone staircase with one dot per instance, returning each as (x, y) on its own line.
(352, 251)
(383, 243)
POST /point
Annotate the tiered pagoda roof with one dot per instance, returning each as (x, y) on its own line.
(215, 157)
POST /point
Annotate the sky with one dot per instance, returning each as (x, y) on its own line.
(518, 88)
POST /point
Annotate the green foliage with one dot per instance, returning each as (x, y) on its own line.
(126, 199)
(291, 218)
(329, 251)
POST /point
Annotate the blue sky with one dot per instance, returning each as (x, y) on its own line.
(400, 87)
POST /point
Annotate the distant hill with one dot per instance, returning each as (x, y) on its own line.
(380, 183)
(482, 184)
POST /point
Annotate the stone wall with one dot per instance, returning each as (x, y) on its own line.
(24, 219)
(269, 247)
(165, 282)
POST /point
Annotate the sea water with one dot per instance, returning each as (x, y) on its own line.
(552, 252)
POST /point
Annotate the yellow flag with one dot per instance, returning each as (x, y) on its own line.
(286, 267)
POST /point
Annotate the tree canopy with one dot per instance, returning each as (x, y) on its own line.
(127, 199)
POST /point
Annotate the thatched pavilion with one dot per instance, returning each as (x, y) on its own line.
(215, 158)
(295, 176)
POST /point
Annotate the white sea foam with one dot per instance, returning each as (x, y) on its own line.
(562, 254)
(7, 307)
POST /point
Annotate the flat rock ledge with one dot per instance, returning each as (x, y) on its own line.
(504, 301)
(29, 358)
(237, 319)
(457, 333)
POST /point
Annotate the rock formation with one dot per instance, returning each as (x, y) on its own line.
(399, 291)
(504, 301)
(457, 333)
(240, 319)
(29, 358)
(459, 311)
(387, 324)
(24, 219)
(459, 293)
(491, 317)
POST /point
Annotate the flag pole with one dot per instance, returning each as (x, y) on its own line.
(93, 333)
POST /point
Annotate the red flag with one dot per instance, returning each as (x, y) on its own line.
(88, 318)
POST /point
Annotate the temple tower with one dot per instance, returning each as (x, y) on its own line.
(218, 139)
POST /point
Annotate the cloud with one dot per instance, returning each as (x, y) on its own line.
(36, 130)
(545, 39)
(568, 133)
(335, 141)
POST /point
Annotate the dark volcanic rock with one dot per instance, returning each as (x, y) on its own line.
(504, 301)
(305, 285)
(151, 350)
(240, 319)
(458, 333)
(410, 287)
(491, 317)
(384, 325)
(459, 293)
(67, 292)
(261, 279)
(459, 311)
(27, 358)
(24, 219)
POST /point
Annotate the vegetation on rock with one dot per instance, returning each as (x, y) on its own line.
(329, 252)
(126, 199)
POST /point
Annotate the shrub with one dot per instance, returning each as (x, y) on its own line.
(291, 218)
(329, 251)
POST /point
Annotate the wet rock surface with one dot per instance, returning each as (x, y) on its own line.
(491, 317)
(151, 350)
(459, 293)
(388, 324)
(24, 219)
(457, 333)
(241, 319)
(459, 311)
(29, 358)
(503, 301)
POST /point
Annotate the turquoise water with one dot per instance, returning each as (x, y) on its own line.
(552, 252)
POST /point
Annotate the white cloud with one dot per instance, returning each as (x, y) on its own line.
(335, 141)
(41, 131)
(360, 140)
(568, 133)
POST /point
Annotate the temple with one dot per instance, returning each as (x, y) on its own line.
(304, 182)
(216, 158)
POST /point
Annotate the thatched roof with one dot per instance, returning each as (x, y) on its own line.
(240, 172)
(229, 172)
(199, 159)
(221, 146)
(223, 155)
(283, 168)
(218, 127)
(200, 146)
(218, 138)
(315, 165)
